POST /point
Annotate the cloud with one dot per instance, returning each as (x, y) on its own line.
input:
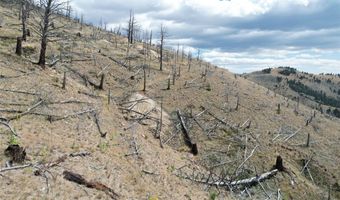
(244, 34)
(308, 60)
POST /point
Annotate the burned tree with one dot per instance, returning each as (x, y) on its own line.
(68, 10)
(81, 21)
(131, 27)
(46, 25)
(162, 34)
(18, 49)
(24, 16)
(189, 60)
(150, 39)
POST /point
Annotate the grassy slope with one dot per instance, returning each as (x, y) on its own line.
(47, 141)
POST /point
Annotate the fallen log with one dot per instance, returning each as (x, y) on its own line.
(57, 118)
(20, 92)
(84, 77)
(188, 141)
(80, 154)
(8, 126)
(115, 60)
(96, 117)
(15, 168)
(244, 182)
(27, 111)
(77, 178)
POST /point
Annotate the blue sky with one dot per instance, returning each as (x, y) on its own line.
(240, 35)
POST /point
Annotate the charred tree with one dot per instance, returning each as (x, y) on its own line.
(162, 34)
(18, 49)
(24, 13)
(192, 145)
(46, 25)
(279, 164)
(131, 27)
(189, 60)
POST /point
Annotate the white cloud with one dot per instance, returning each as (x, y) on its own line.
(248, 62)
(241, 34)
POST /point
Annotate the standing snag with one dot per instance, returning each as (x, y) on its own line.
(308, 140)
(162, 33)
(144, 75)
(131, 30)
(24, 13)
(46, 25)
(64, 81)
(278, 111)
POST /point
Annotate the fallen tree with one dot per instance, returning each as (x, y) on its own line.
(77, 178)
(249, 181)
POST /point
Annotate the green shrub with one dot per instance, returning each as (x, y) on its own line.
(212, 196)
(13, 140)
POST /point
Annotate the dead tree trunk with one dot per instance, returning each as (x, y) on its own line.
(144, 83)
(109, 97)
(23, 19)
(44, 33)
(168, 88)
(279, 164)
(189, 61)
(77, 178)
(161, 48)
(131, 27)
(16, 153)
(101, 86)
(237, 102)
(64, 81)
(188, 141)
(173, 75)
(18, 49)
(46, 25)
(308, 140)
(150, 39)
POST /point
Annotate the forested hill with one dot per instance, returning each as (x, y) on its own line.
(321, 92)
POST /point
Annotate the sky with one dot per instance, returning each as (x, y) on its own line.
(240, 35)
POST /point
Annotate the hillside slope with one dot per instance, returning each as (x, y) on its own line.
(237, 125)
(321, 92)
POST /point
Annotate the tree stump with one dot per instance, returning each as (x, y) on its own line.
(194, 149)
(101, 86)
(279, 164)
(168, 88)
(16, 153)
(64, 81)
(18, 50)
(308, 140)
